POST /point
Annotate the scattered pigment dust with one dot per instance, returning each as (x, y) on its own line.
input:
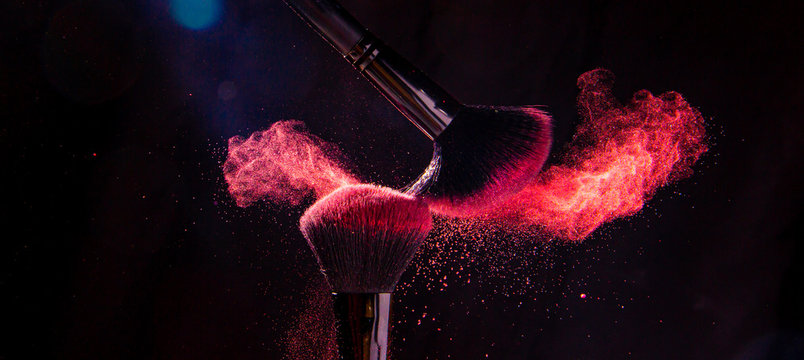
(284, 164)
(312, 331)
(619, 157)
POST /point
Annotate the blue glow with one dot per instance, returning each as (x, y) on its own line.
(196, 14)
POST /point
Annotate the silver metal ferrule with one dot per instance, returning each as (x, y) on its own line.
(428, 106)
(428, 176)
(362, 323)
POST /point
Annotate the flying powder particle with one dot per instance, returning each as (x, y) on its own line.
(283, 164)
(620, 155)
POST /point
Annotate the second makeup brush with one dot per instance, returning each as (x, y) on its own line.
(486, 153)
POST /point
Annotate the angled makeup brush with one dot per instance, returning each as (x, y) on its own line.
(487, 153)
(364, 237)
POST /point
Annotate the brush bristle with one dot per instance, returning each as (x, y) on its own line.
(364, 236)
(488, 154)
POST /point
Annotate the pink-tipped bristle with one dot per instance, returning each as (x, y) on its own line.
(487, 155)
(364, 236)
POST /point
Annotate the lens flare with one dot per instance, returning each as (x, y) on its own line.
(196, 14)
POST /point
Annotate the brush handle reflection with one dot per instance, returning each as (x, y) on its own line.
(362, 322)
(428, 106)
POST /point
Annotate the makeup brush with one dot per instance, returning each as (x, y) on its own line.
(487, 152)
(364, 237)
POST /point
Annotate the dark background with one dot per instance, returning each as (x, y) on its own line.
(120, 241)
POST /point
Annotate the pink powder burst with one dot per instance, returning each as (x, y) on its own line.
(619, 157)
(284, 164)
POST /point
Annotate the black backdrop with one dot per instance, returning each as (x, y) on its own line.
(120, 241)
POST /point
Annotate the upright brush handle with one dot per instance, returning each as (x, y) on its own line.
(422, 101)
(363, 321)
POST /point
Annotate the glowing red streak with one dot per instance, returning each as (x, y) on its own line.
(283, 164)
(617, 160)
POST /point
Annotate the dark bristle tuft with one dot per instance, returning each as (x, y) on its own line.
(488, 153)
(364, 236)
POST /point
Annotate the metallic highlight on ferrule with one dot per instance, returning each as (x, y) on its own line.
(363, 321)
(429, 107)
(364, 52)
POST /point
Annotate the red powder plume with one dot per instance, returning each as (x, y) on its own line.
(619, 157)
(283, 164)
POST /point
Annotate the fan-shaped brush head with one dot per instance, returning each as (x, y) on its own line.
(364, 236)
(488, 154)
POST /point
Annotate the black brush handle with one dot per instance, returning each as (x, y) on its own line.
(428, 106)
(362, 321)
(331, 21)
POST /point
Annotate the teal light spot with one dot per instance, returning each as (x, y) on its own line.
(196, 14)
